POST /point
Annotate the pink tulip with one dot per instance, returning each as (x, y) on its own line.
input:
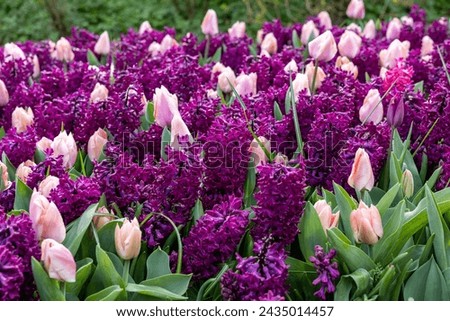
(4, 95)
(345, 64)
(320, 75)
(5, 183)
(103, 45)
(167, 43)
(47, 185)
(259, 36)
(12, 51)
(246, 84)
(269, 44)
(257, 152)
(165, 106)
(396, 50)
(21, 119)
(24, 169)
(355, 28)
(361, 176)
(366, 224)
(154, 49)
(44, 144)
(407, 21)
(323, 48)
(291, 67)
(128, 239)
(372, 108)
(58, 261)
(211, 93)
(393, 29)
(356, 9)
(36, 67)
(299, 84)
(325, 20)
(226, 77)
(383, 72)
(369, 30)
(103, 219)
(427, 46)
(179, 132)
(65, 145)
(99, 94)
(237, 30)
(96, 143)
(64, 50)
(309, 31)
(349, 44)
(145, 26)
(210, 26)
(326, 216)
(46, 219)
(217, 68)
(281, 159)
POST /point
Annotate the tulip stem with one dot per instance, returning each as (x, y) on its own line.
(126, 271)
(180, 244)
(298, 133)
(208, 42)
(63, 288)
(313, 85)
(83, 168)
(94, 232)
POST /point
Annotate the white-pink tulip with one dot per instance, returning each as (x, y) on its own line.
(99, 94)
(64, 50)
(36, 67)
(58, 261)
(12, 51)
(325, 20)
(246, 84)
(226, 78)
(349, 44)
(356, 9)
(237, 30)
(361, 176)
(4, 95)
(65, 145)
(291, 67)
(427, 46)
(103, 45)
(165, 106)
(269, 44)
(96, 143)
(396, 50)
(44, 144)
(366, 224)
(394, 28)
(372, 108)
(326, 216)
(47, 185)
(320, 75)
(210, 25)
(323, 48)
(309, 31)
(179, 132)
(145, 26)
(128, 239)
(21, 119)
(257, 152)
(4, 177)
(24, 169)
(299, 84)
(345, 64)
(370, 30)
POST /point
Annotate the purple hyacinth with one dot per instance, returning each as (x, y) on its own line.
(19, 147)
(11, 276)
(327, 271)
(7, 198)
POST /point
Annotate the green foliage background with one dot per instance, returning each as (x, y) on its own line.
(41, 19)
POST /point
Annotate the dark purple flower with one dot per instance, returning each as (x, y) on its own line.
(19, 147)
(11, 276)
(327, 271)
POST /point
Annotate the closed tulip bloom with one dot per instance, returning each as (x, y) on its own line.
(64, 50)
(145, 26)
(4, 95)
(22, 118)
(349, 44)
(210, 25)
(269, 44)
(11, 51)
(65, 145)
(103, 218)
(396, 50)
(281, 159)
(370, 31)
(154, 49)
(259, 36)
(395, 112)
(211, 93)
(96, 143)
(257, 152)
(326, 216)
(58, 261)
(323, 48)
(309, 31)
(103, 45)
(372, 108)
(36, 67)
(24, 169)
(165, 106)
(44, 144)
(179, 132)
(226, 78)
(356, 9)
(354, 27)
(291, 67)
(361, 176)
(237, 30)
(217, 68)
(394, 28)
(408, 183)
(5, 183)
(167, 43)
(299, 84)
(407, 21)
(345, 64)
(246, 84)
(46, 219)
(366, 224)
(325, 20)
(427, 46)
(47, 185)
(100, 93)
(128, 239)
(320, 76)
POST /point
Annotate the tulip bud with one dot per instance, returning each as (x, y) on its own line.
(320, 75)
(210, 26)
(361, 176)
(396, 50)
(4, 95)
(65, 145)
(281, 159)
(101, 220)
(36, 67)
(309, 31)
(257, 152)
(58, 261)
(47, 185)
(383, 72)
(269, 44)
(369, 30)
(24, 169)
(179, 132)
(393, 30)
(407, 21)
(323, 48)
(128, 239)
(349, 44)
(167, 43)
(165, 106)
(103, 45)
(326, 216)
(96, 143)
(395, 112)
(211, 93)
(44, 144)
(291, 67)
(22, 118)
(64, 50)
(217, 68)
(408, 183)
(355, 28)
(325, 20)
(4, 178)
(356, 9)
(345, 64)
(299, 84)
(100, 93)
(154, 49)
(427, 46)
(246, 84)
(12, 51)
(237, 30)
(226, 78)
(46, 219)
(372, 108)
(145, 26)
(366, 224)
(259, 36)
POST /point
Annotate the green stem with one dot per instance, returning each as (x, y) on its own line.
(208, 43)
(63, 288)
(180, 244)
(444, 64)
(126, 271)
(313, 85)
(298, 133)
(94, 232)
(83, 168)
(426, 136)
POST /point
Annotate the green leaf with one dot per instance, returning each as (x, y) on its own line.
(92, 58)
(430, 183)
(175, 283)
(311, 232)
(426, 254)
(386, 201)
(2, 132)
(23, 196)
(346, 205)
(10, 167)
(367, 77)
(165, 140)
(79, 228)
(158, 264)
(360, 279)
(395, 170)
(48, 288)
(138, 269)
(386, 283)
(351, 255)
(198, 211)
(217, 55)
(84, 269)
(418, 87)
(154, 292)
(300, 277)
(427, 284)
(208, 286)
(277, 111)
(150, 112)
(296, 40)
(106, 236)
(250, 183)
(110, 293)
(105, 274)
(39, 156)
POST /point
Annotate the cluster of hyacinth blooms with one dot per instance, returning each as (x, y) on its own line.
(214, 148)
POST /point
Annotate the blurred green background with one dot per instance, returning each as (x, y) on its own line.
(42, 19)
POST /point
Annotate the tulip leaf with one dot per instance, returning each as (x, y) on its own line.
(39, 156)
(2, 132)
(106, 236)
(351, 255)
(311, 232)
(277, 111)
(92, 58)
(404, 156)
(430, 183)
(296, 40)
(217, 55)
(346, 205)
(386, 201)
(110, 293)
(211, 284)
(300, 278)
(84, 269)
(154, 292)
(386, 283)
(78, 229)
(138, 270)
(198, 211)
(249, 185)
(175, 283)
(150, 113)
(48, 288)
(9, 166)
(395, 170)
(23, 196)
(158, 264)
(426, 254)
(360, 279)
(418, 87)
(165, 141)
